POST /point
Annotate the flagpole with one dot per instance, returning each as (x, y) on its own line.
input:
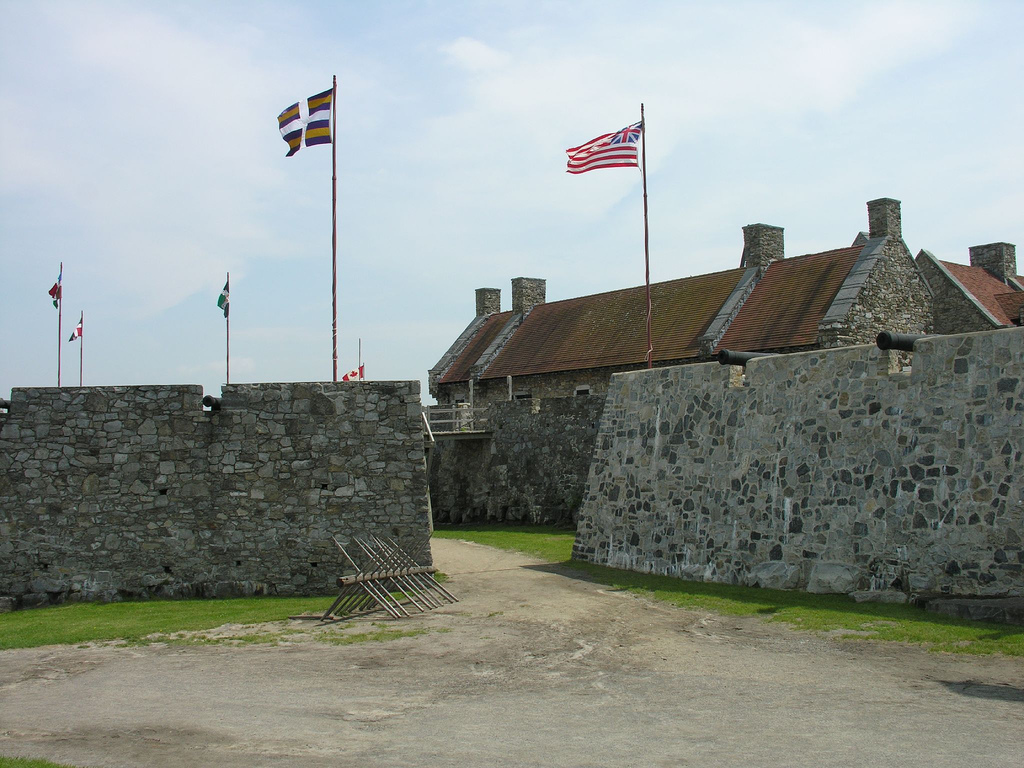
(81, 348)
(227, 329)
(647, 248)
(60, 310)
(334, 228)
(359, 362)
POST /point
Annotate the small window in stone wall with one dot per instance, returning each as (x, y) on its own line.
(583, 390)
(522, 394)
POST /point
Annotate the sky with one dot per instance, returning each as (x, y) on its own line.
(139, 146)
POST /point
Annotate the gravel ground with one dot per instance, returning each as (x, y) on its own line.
(533, 667)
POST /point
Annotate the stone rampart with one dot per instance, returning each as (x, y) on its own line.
(823, 471)
(128, 492)
(532, 468)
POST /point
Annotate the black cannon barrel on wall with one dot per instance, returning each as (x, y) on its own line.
(902, 341)
(5, 405)
(729, 357)
(211, 402)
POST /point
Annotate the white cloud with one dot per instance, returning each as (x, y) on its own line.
(475, 55)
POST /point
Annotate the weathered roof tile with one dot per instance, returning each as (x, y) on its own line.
(610, 329)
(789, 302)
(985, 287)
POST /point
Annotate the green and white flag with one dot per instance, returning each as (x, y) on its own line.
(222, 300)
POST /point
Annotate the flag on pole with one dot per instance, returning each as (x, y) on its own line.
(357, 374)
(318, 127)
(77, 333)
(290, 123)
(55, 292)
(611, 150)
(224, 300)
(315, 127)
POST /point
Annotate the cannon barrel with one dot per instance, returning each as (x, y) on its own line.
(5, 405)
(902, 341)
(729, 357)
(211, 402)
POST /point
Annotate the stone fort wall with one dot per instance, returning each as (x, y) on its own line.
(824, 470)
(532, 468)
(129, 492)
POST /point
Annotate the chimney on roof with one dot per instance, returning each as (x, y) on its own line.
(488, 301)
(998, 258)
(884, 218)
(763, 244)
(527, 292)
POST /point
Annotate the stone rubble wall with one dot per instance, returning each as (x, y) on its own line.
(131, 492)
(821, 471)
(895, 296)
(954, 312)
(532, 469)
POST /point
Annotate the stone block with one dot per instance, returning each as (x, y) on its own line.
(774, 575)
(832, 578)
(880, 596)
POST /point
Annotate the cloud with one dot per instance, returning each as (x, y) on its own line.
(474, 55)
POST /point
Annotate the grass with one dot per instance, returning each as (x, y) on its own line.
(21, 762)
(541, 541)
(132, 622)
(836, 614)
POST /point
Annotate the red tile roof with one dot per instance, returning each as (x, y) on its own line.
(790, 301)
(1011, 304)
(609, 329)
(985, 287)
(459, 370)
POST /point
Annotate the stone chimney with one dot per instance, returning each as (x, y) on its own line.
(527, 292)
(763, 244)
(488, 301)
(884, 218)
(998, 258)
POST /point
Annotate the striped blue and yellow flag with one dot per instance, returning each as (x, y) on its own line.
(318, 129)
(291, 125)
(315, 126)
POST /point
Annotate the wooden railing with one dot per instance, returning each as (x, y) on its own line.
(447, 420)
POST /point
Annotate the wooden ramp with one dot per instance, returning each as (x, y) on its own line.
(387, 577)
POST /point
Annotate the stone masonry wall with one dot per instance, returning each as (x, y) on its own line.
(895, 297)
(821, 471)
(533, 468)
(953, 311)
(130, 492)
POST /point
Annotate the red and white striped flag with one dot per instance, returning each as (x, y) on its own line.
(77, 333)
(357, 374)
(611, 150)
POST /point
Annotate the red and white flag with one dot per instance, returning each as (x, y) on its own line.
(611, 150)
(77, 333)
(357, 374)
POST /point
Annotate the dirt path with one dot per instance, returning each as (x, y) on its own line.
(532, 667)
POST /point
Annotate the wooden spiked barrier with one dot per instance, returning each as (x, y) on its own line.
(387, 577)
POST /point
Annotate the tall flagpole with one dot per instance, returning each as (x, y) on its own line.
(81, 348)
(334, 226)
(60, 310)
(647, 247)
(227, 329)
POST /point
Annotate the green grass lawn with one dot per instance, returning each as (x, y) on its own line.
(821, 613)
(87, 622)
(20, 762)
